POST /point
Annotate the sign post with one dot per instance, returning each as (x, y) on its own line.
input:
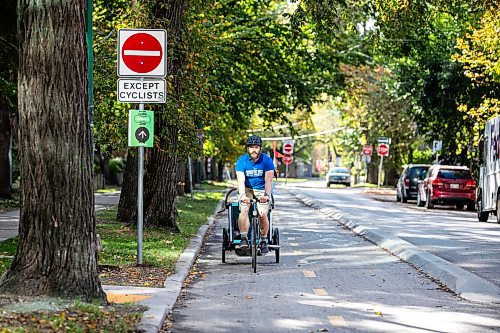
(287, 159)
(142, 66)
(437, 145)
(382, 150)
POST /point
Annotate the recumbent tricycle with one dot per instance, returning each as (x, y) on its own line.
(231, 235)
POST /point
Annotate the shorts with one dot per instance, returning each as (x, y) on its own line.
(262, 208)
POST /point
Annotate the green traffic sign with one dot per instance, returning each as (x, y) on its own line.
(140, 128)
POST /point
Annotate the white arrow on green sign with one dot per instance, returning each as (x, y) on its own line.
(140, 128)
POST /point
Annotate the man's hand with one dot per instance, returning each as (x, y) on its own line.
(264, 198)
(244, 198)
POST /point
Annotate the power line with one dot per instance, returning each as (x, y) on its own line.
(303, 135)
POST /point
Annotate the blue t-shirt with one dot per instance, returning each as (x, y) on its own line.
(255, 171)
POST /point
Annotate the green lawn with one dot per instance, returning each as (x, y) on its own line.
(160, 248)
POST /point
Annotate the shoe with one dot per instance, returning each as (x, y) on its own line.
(243, 244)
(263, 248)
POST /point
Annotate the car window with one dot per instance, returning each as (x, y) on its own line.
(339, 170)
(454, 174)
(417, 172)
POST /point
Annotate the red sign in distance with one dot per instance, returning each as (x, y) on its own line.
(383, 149)
(288, 148)
(367, 150)
(288, 158)
(142, 53)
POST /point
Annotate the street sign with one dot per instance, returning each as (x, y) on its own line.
(288, 159)
(142, 52)
(288, 146)
(140, 128)
(437, 145)
(383, 149)
(138, 90)
(384, 140)
(367, 150)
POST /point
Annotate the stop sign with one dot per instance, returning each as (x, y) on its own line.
(141, 52)
(288, 158)
(383, 149)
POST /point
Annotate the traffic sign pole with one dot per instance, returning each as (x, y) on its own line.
(380, 170)
(140, 191)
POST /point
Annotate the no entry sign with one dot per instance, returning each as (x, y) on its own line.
(288, 158)
(142, 52)
(288, 146)
(383, 149)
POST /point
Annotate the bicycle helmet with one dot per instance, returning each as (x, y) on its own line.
(254, 140)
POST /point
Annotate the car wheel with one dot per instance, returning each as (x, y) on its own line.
(403, 198)
(327, 184)
(429, 203)
(481, 216)
(420, 203)
(498, 209)
(460, 206)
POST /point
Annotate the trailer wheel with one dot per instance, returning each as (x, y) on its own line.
(481, 215)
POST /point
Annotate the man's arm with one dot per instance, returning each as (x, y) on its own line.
(240, 176)
(269, 181)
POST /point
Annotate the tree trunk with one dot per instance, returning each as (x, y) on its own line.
(127, 207)
(181, 178)
(160, 179)
(5, 140)
(56, 253)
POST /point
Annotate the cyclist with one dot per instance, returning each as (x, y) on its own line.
(255, 172)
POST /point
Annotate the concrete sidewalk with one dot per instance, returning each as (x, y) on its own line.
(158, 300)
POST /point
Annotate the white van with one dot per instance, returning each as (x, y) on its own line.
(488, 199)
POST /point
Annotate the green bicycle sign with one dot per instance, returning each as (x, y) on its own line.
(140, 128)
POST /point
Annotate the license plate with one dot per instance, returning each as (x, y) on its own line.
(454, 186)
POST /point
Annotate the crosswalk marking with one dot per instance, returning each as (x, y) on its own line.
(337, 321)
(291, 238)
(309, 274)
(298, 252)
(294, 244)
(320, 292)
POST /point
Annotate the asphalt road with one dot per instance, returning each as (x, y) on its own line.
(328, 280)
(455, 236)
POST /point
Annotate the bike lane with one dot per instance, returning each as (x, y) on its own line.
(328, 280)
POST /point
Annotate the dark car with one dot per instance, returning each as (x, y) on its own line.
(407, 186)
(447, 185)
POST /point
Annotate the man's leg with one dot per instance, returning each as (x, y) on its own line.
(263, 209)
(243, 221)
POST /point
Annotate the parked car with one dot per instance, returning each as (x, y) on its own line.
(407, 185)
(338, 175)
(447, 185)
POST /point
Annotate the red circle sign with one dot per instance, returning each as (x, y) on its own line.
(288, 158)
(288, 148)
(383, 149)
(367, 150)
(142, 52)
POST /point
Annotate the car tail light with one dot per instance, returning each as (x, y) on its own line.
(437, 183)
(407, 182)
(470, 184)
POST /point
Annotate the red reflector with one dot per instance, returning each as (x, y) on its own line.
(437, 183)
(407, 182)
(470, 183)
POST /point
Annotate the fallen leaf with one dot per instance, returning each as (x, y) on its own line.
(248, 297)
(378, 313)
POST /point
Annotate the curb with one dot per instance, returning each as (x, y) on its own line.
(465, 284)
(161, 304)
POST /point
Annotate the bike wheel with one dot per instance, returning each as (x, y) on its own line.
(253, 244)
(276, 237)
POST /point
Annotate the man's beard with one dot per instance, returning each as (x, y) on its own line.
(254, 155)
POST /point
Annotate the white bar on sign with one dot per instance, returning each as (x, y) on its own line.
(141, 53)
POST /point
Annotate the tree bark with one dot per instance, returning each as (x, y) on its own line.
(56, 253)
(5, 140)
(127, 207)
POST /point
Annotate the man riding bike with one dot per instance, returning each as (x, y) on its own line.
(255, 172)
